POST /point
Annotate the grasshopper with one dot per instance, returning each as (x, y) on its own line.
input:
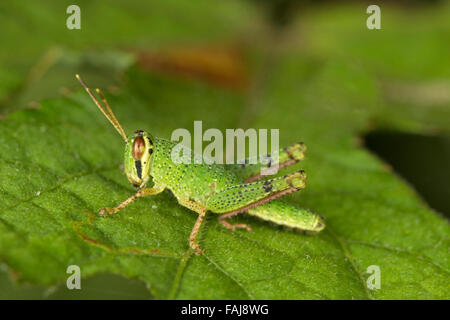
(222, 189)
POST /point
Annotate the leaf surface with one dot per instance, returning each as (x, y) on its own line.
(60, 163)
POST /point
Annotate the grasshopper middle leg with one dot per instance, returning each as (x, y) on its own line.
(201, 210)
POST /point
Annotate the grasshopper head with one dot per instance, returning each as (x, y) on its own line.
(139, 146)
(138, 158)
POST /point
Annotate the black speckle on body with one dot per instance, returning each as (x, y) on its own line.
(267, 186)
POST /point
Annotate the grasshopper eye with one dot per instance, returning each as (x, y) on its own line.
(138, 148)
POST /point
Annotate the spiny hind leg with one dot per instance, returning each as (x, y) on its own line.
(222, 220)
(240, 198)
(254, 170)
(286, 157)
(201, 210)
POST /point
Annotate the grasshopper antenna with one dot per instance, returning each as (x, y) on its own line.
(107, 111)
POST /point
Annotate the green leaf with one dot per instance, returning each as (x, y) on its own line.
(49, 52)
(60, 163)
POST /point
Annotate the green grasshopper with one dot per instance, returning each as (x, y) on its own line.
(223, 189)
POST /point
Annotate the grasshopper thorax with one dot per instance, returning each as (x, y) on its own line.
(138, 158)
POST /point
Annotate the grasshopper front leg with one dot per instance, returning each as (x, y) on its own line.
(141, 193)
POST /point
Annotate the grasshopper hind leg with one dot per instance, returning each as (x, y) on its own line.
(253, 172)
(244, 197)
(222, 220)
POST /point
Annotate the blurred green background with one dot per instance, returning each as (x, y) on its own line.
(223, 43)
